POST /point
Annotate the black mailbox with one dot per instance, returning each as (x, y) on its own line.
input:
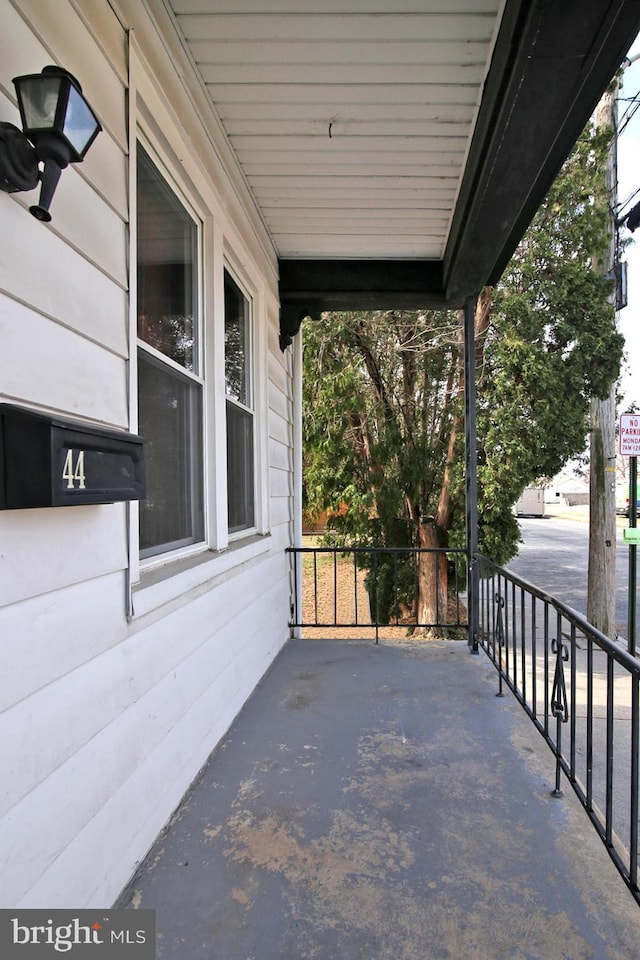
(49, 462)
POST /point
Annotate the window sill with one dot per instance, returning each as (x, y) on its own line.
(161, 585)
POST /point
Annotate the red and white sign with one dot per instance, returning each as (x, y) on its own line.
(629, 433)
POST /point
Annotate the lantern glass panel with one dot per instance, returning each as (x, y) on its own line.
(39, 96)
(79, 123)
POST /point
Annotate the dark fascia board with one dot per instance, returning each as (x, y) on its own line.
(308, 287)
(551, 64)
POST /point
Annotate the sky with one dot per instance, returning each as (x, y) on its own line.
(628, 184)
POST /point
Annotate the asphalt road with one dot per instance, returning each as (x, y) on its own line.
(554, 556)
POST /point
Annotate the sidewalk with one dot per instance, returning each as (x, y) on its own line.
(579, 513)
(379, 802)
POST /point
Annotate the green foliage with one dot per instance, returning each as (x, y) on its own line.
(381, 390)
(375, 437)
(551, 346)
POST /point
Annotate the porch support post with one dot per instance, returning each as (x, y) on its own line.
(471, 470)
(297, 477)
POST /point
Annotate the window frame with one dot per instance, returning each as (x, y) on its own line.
(247, 407)
(168, 578)
(174, 550)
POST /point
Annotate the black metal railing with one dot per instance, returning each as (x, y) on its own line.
(581, 690)
(375, 587)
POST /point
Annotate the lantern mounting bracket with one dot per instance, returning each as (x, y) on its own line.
(18, 162)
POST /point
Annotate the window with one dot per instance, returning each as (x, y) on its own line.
(239, 396)
(170, 387)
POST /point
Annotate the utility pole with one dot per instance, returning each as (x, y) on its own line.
(602, 472)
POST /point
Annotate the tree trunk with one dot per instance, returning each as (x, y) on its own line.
(432, 582)
(433, 575)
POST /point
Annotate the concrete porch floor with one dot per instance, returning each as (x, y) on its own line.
(379, 803)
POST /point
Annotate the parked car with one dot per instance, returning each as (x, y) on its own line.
(623, 509)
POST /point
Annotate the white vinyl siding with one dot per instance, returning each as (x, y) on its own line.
(107, 712)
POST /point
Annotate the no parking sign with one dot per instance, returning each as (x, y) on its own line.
(629, 434)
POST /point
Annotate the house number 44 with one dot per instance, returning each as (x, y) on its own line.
(73, 470)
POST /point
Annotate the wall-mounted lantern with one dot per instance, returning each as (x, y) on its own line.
(59, 127)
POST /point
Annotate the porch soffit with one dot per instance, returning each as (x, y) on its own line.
(396, 151)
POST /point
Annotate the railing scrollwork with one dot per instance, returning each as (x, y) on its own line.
(583, 696)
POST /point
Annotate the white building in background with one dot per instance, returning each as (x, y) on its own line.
(567, 491)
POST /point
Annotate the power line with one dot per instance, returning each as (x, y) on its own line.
(628, 115)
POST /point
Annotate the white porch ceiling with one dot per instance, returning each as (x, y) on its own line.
(396, 150)
(350, 119)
